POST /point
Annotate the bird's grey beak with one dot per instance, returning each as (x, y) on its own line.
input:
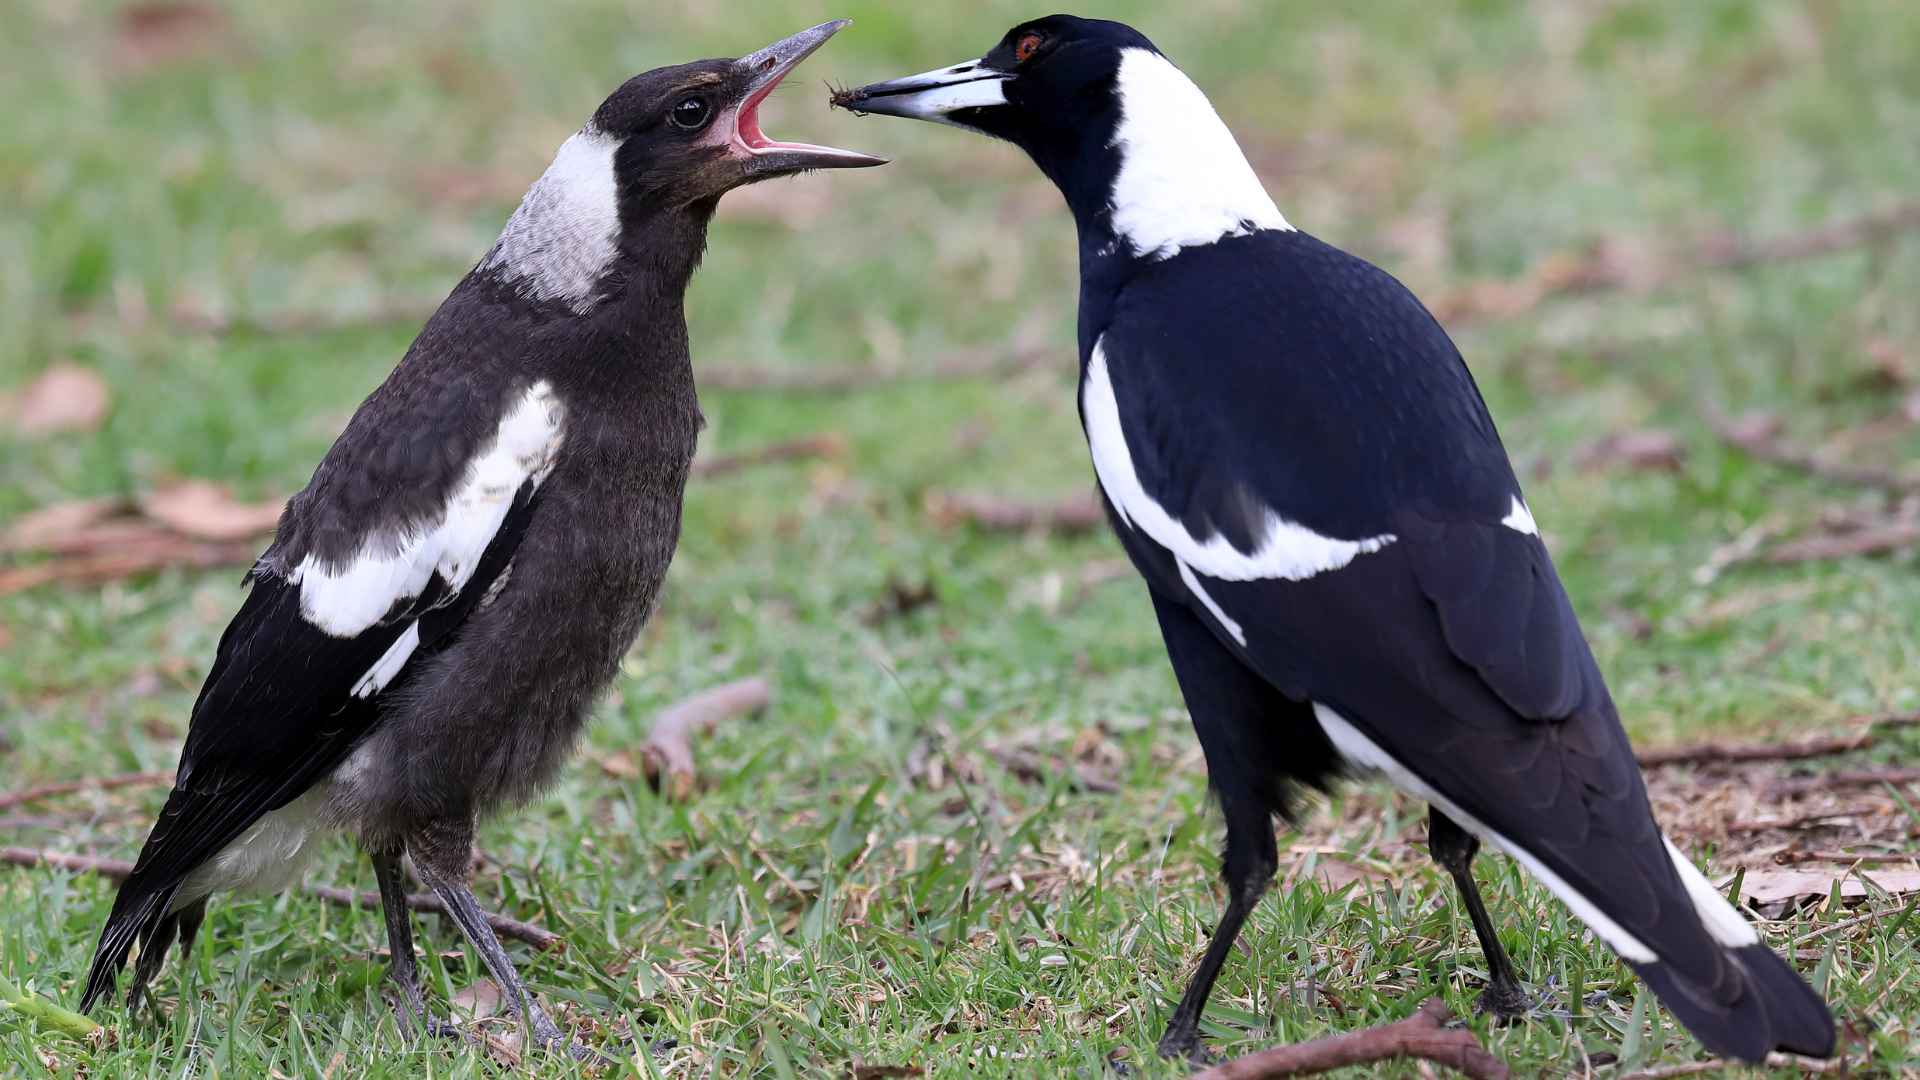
(765, 69)
(939, 96)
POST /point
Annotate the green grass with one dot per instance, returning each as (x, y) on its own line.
(327, 165)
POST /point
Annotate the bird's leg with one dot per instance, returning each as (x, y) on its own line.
(1454, 848)
(404, 970)
(466, 912)
(1250, 863)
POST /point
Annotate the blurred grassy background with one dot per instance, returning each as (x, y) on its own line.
(239, 215)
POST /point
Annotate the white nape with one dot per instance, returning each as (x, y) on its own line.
(1283, 549)
(566, 232)
(1520, 519)
(270, 857)
(1183, 180)
(1363, 755)
(346, 599)
(1721, 919)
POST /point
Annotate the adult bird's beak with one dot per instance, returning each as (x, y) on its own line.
(740, 128)
(940, 96)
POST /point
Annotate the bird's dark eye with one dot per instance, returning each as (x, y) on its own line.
(690, 113)
(1029, 44)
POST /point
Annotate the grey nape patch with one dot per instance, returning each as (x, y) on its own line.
(560, 241)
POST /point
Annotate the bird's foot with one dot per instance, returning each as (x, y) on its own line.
(1505, 1002)
(548, 1036)
(1184, 1044)
(410, 1022)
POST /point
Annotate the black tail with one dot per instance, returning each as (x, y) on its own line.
(1774, 1009)
(137, 913)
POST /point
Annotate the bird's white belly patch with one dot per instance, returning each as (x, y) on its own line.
(345, 600)
(1285, 550)
(1366, 756)
(270, 857)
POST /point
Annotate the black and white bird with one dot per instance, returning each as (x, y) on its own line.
(445, 601)
(1344, 568)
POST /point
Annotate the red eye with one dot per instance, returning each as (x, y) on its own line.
(1029, 45)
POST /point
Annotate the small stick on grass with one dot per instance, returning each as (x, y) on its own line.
(426, 903)
(1419, 1036)
(1812, 748)
(105, 783)
(666, 757)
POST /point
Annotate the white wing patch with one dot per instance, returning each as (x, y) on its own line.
(1520, 519)
(1183, 180)
(1285, 549)
(345, 600)
(559, 242)
(1720, 917)
(1365, 755)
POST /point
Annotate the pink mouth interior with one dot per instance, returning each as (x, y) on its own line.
(747, 127)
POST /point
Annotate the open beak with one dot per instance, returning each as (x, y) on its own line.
(942, 96)
(741, 128)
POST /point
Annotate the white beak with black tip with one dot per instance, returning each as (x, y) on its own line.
(739, 129)
(932, 95)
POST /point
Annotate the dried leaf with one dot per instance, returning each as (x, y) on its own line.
(621, 763)
(66, 397)
(46, 527)
(207, 511)
(476, 1002)
(165, 32)
(1771, 886)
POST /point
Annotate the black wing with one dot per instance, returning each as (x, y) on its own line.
(1302, 382)
(276, 714)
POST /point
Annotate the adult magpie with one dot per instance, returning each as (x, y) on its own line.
(445, 600)
(1345, 571)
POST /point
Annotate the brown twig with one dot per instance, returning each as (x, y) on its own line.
(431, 904)
(825, 444)
(1758, 435)
(1838, 744)
(1863, 542)
(1842, 778)
(1775, 1060)
(666, 756)
(1724, 252)
(1789, 858)
(1707, 752)
(426, 903)
(1418, 1036)
(105, 783)
(1075, 514)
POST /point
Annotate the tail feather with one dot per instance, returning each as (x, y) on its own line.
(1774, 1009)
(137, 914)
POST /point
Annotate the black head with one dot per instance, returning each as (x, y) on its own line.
(1132, 143)
(1048, 87)
(691, 133)
(661, 150)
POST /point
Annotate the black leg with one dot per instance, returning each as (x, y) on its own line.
(1251, 859)
(405, 971)
(1255, 738)
(472, 920)
(1454, 848)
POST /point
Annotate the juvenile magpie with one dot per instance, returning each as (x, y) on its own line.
(445, 600)
(1345, 571)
